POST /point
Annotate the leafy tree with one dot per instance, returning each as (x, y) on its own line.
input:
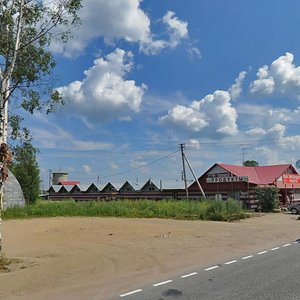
(26, 169)
(250, 163)
(268, 198)
(27, 28)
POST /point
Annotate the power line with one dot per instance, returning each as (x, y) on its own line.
(140, 167)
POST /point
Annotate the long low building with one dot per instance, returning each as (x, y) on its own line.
(221, 181)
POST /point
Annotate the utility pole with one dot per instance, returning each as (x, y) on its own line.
(196, 179)
(182, 146)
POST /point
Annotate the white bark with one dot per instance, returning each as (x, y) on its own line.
(5, 91)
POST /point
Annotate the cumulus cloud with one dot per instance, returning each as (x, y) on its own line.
(104, 93)
(281, 77)
(176, 29)
(236, 89)
(121, 19)
(275, 132)
(212, 116)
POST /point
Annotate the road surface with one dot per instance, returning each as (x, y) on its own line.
(268, 274)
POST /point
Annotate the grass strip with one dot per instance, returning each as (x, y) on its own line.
(216, 210)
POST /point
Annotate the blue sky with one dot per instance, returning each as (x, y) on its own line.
(141, 77)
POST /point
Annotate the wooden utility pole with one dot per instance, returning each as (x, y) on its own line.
(182, 146)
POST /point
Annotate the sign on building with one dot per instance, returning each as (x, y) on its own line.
(291, 178)
(227, 179)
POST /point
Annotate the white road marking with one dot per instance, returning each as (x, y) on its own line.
(246, 257)
(211, 268)
(230, 262)
(163, 282)
(130, 293)
(188, 275)
(207, 269)
(276, 248)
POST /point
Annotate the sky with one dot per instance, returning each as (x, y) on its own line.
(141, 77)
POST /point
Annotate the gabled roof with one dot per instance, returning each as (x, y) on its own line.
(149, 186)
(126, 187)
(109, 188)
(259, 174)
(95, 187)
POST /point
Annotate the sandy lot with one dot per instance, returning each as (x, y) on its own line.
(97, 258)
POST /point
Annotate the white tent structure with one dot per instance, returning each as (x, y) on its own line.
(13, 194)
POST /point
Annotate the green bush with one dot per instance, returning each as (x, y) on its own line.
(268, 198)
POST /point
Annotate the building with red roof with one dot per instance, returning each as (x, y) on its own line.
(225, 181)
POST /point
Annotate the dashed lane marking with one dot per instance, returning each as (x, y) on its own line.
(131, 293)
(211, 268)
(189, 275)
(276, 248)
(161, 283)
(246, 257)
(262, 252)
(231, 262)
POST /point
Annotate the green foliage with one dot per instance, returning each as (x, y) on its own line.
(168, 209)
(26, 170)
(26, 65)
(268, 198)
(250, 163)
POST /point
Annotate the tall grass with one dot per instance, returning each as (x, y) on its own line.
(217, 210)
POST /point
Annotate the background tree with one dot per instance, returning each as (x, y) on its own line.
(27, 28)
(250, 163)
(26, 169)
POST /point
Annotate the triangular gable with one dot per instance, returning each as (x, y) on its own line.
(94, 188)
(126, 187)
(109, 188)
(63, 189)
(149, 186)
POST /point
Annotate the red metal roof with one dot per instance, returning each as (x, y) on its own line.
(68, 182)
(259, 174)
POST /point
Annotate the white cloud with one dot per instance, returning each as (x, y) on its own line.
(176, 29)
(194, 52)
(87, 169)
(256, 132)
(281, 77)
(212, 116)
(104, 93)
(236, 89)
(121, 19)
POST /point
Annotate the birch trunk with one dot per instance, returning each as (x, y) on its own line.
(5, 91)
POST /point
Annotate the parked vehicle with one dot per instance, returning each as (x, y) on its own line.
(294, 208)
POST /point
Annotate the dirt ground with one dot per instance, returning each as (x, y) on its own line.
(97, 258)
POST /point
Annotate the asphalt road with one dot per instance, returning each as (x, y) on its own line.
(269, 274)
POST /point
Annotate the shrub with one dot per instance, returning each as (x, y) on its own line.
(268, 198)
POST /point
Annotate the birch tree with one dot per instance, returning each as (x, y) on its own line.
(27, 29)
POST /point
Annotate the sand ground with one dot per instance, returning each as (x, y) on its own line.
(97, 258)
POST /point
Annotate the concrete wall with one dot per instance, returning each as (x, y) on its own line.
(13, 194)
